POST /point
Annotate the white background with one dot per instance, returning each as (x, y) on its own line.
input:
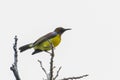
(91, 47)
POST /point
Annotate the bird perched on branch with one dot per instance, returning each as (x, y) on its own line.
(43, 44)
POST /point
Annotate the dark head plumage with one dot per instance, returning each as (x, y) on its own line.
(61, 30)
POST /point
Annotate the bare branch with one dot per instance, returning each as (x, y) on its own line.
(57, 73)
(51, 60)
(79, 77)
(43, 69)
(50, 74)
(14, 65)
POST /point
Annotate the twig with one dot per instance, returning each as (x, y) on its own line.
(14, 65)
(50, 74)
(57, 73)
(51, 60)
(79, 77)
(43, 69)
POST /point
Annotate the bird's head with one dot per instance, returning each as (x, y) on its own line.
(61, 30)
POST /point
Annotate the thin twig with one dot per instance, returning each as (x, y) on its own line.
(79, 77)
(43, 69)
(50, 74)
(51, 60)
(14, 65)
(57, 73)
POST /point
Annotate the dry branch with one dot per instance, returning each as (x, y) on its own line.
(50, 75)
(71, 78)
(51, 60)
(43, 69)
(57, 73)
(14, 68)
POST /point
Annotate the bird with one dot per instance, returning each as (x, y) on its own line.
(43, 43)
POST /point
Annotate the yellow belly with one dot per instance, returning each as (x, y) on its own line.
(46, 45)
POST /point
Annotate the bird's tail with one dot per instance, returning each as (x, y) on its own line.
(25, 47)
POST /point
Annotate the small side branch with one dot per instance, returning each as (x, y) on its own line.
(79, 77)
(14, 65)
(43, 69)
(57, 73)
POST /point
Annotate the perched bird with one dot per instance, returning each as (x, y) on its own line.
(43, 44)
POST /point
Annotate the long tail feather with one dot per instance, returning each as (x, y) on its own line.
(25, 47)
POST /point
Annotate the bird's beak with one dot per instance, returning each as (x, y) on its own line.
(67, 29)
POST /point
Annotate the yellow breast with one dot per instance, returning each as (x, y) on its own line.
(46, 45)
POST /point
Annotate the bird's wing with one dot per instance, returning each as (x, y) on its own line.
(44, 38)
